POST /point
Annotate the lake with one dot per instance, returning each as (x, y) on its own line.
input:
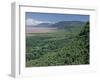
(40, 29)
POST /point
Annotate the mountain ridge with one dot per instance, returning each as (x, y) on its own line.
(61, 24)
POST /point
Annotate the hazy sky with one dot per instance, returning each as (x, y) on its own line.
(37, 18)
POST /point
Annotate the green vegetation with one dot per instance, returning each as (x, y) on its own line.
(62, 47)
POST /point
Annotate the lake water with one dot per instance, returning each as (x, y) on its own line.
(39, 29)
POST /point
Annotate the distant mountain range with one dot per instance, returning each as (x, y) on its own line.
(44, 25)
(65, 24)
(61, 24)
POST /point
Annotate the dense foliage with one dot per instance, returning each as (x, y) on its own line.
(64, 47)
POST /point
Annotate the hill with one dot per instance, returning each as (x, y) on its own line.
(68, 24)
(61, 24)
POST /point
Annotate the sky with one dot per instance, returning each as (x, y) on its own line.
(33, 18)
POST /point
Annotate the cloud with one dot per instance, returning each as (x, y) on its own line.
(31, 21)
(34, 22)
